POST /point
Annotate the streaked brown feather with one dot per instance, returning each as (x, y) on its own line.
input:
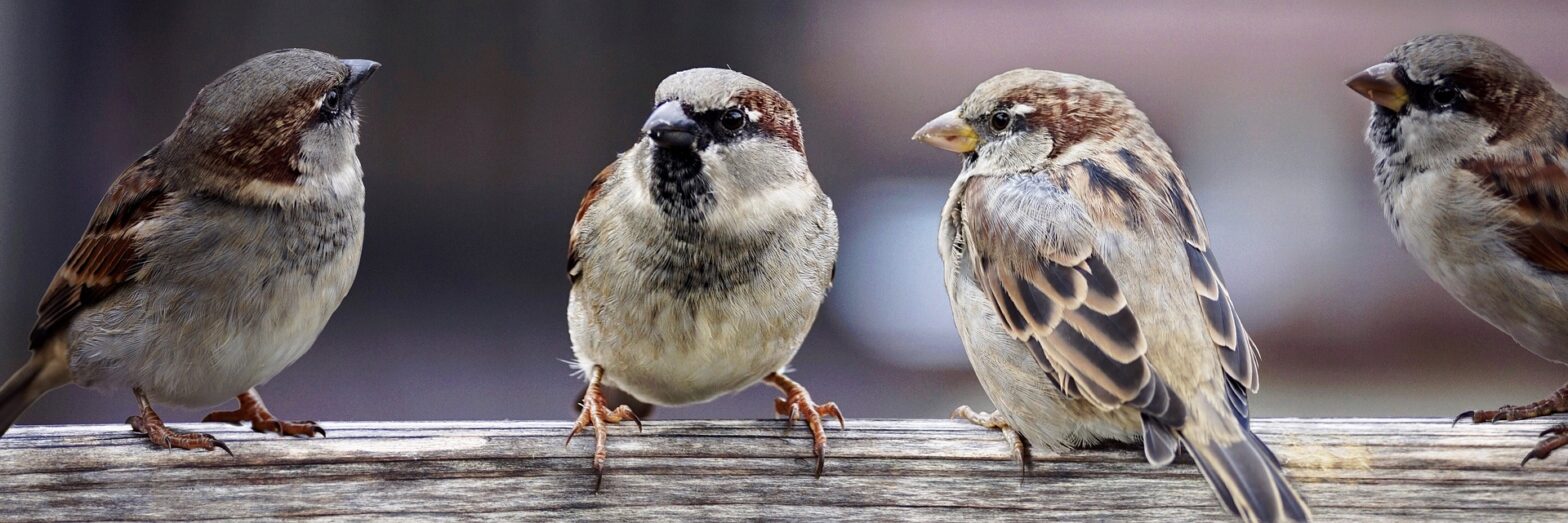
(1238, 354)
(1073, 315)
(1536, 184)
(108, 254)
(589, 197)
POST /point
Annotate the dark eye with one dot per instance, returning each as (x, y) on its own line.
(329, 104)
(1444, 96)
(1000, 120)
(732, 120)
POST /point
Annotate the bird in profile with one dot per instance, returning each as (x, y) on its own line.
(1085, 290)
(1471, 151)
(215, 260)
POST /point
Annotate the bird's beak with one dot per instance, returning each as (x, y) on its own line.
(949, 132)
(1380, 85)
(358, 72)
(669, 127)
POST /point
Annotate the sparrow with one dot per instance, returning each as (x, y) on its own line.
(699, 257)
(1470, 146)
(1085, 291)
(216, 258)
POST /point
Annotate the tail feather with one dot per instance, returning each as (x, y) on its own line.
(47, 370)
(1248, 479)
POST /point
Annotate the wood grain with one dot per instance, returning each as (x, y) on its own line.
(1349, 469)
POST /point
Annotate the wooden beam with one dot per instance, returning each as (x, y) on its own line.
(1372, 469)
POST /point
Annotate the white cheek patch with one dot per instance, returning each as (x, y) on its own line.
(1441, 138)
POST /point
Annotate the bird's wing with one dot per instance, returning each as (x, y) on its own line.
(1033, 255)
(1238, 354)
(108, 256)
(1535, 184)
(573, 262)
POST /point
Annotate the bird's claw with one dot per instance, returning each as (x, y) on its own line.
(595, 414)
(1555, 437)
(995, 421)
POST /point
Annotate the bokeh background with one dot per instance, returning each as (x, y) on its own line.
(489, 119)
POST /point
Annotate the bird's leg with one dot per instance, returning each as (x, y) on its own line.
(1554, 404)
(797, 404)
(596, 414)
(253, 410)
(1552, 439)
(150, 424)
(994, 420)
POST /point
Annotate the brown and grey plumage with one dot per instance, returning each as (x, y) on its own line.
(1083, 286)
(1471, 150)
(214, 261)
(699, 258)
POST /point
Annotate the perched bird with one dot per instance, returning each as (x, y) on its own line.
(218, 256)
(699, 257)
(1471, 150)
(1088, 300)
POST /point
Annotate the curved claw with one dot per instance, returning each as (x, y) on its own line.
(1466, 414)
(220, 444)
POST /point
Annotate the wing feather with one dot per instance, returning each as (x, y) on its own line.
(108, 256)
(1054, 293)
(573, 260)
(1535, 183)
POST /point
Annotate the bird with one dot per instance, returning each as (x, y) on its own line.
(699, 257)
(1085, 290)
(216, 258)
(1470, 150)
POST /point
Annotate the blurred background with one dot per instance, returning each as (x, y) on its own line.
(489, 119)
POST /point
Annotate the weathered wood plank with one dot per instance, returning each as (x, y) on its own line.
(1349, 469)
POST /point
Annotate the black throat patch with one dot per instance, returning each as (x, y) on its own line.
(678, 185)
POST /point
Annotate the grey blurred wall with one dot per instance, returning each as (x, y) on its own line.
(489, 119)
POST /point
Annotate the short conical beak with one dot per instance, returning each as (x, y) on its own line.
(1381, 85)
(358, 72)
(669, 127)
(949, 132)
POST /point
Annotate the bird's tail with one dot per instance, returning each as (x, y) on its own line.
(48, 369)
(1246, 476)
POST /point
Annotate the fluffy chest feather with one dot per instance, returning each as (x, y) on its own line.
(680, 312)
(231, 295)
(1451, 225)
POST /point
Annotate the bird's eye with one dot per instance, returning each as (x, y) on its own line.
(1445, 95)
(1001, 120)
(329, 104)
(732, 120)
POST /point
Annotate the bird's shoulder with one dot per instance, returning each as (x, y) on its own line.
(110, 252)
(591, 197)
(1531, 184)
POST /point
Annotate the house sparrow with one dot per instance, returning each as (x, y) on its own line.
(1081, 280)
(217, 257)
(699, 257)
(1470, 153)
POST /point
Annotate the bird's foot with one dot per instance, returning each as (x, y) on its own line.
(596, 414)
(1551, 439)
(994, 420)
(1554, 404)
(152, 426)
(797, 405)
(261, 420)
